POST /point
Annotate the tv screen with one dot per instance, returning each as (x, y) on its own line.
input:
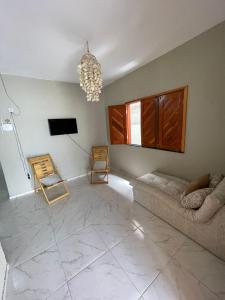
(62, 126)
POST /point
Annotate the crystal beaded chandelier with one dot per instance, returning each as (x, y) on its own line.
(90, 73)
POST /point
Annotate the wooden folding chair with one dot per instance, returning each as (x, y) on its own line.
(44, 169)
(100, 154)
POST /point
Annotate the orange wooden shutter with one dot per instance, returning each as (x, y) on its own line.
(118, 124)
(172, 119)
(149, 122)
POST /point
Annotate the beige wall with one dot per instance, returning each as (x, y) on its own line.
(200, 63)
(40, 100)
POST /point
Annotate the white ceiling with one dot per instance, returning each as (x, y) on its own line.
(45, 38)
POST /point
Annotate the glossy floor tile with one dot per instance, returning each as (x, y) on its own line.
(175, 283)
(27, 244)
(37, 278)
(204, 266)
(79, 250)
(141, 259)
(20, 214)
(103, 279)
(114, 233)
(99, 244)
(164, 236)
(62, 293)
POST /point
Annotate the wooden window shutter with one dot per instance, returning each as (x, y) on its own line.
(149, 122)
(118, 124)
(172, 120)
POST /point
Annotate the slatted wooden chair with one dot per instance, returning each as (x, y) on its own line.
(100, 154)
(46, 177)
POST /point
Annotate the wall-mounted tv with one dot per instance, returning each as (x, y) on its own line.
(62, 126)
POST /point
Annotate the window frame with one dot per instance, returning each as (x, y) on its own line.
(129, 122)
(127, 125)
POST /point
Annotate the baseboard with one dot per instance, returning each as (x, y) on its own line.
(74, 178)
(21, 195)
(5, 282)
(32, 191)
(77, 177)
(122, 172)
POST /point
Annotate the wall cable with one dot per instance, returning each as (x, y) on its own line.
(12, 101)
(19, 147)
(79, 146)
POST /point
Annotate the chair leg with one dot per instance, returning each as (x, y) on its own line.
(66, 188)
(57, 198)
(105, 178)
(45, 195)
(36, 188)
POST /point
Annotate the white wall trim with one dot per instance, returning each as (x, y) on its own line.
(32, 191)
(122, 172)
(77, 177)
(5, 282)
(21, 195)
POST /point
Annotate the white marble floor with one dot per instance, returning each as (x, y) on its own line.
(101, 245)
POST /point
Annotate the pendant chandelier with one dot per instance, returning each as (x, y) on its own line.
(90, 73)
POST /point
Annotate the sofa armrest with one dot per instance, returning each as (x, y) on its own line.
(211, 205)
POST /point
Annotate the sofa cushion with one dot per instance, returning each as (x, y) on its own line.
(199, 183)
(195, 199)
(215, 179)
(171, 185)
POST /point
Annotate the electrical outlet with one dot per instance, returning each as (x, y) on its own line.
(6, 125)
(11, 110)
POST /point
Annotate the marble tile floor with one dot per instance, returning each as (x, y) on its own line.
(101, 245)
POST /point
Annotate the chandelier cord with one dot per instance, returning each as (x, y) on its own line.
(87, 45)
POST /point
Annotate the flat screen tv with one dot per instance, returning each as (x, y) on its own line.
(62, 126)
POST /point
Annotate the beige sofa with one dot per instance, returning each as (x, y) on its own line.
(161, 193)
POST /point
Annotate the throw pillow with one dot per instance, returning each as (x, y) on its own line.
(200, 183)
(215, 180)
(195, 199)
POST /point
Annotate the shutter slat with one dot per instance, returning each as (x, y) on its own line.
(117, 124)
(149, 122)
(172, 119)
